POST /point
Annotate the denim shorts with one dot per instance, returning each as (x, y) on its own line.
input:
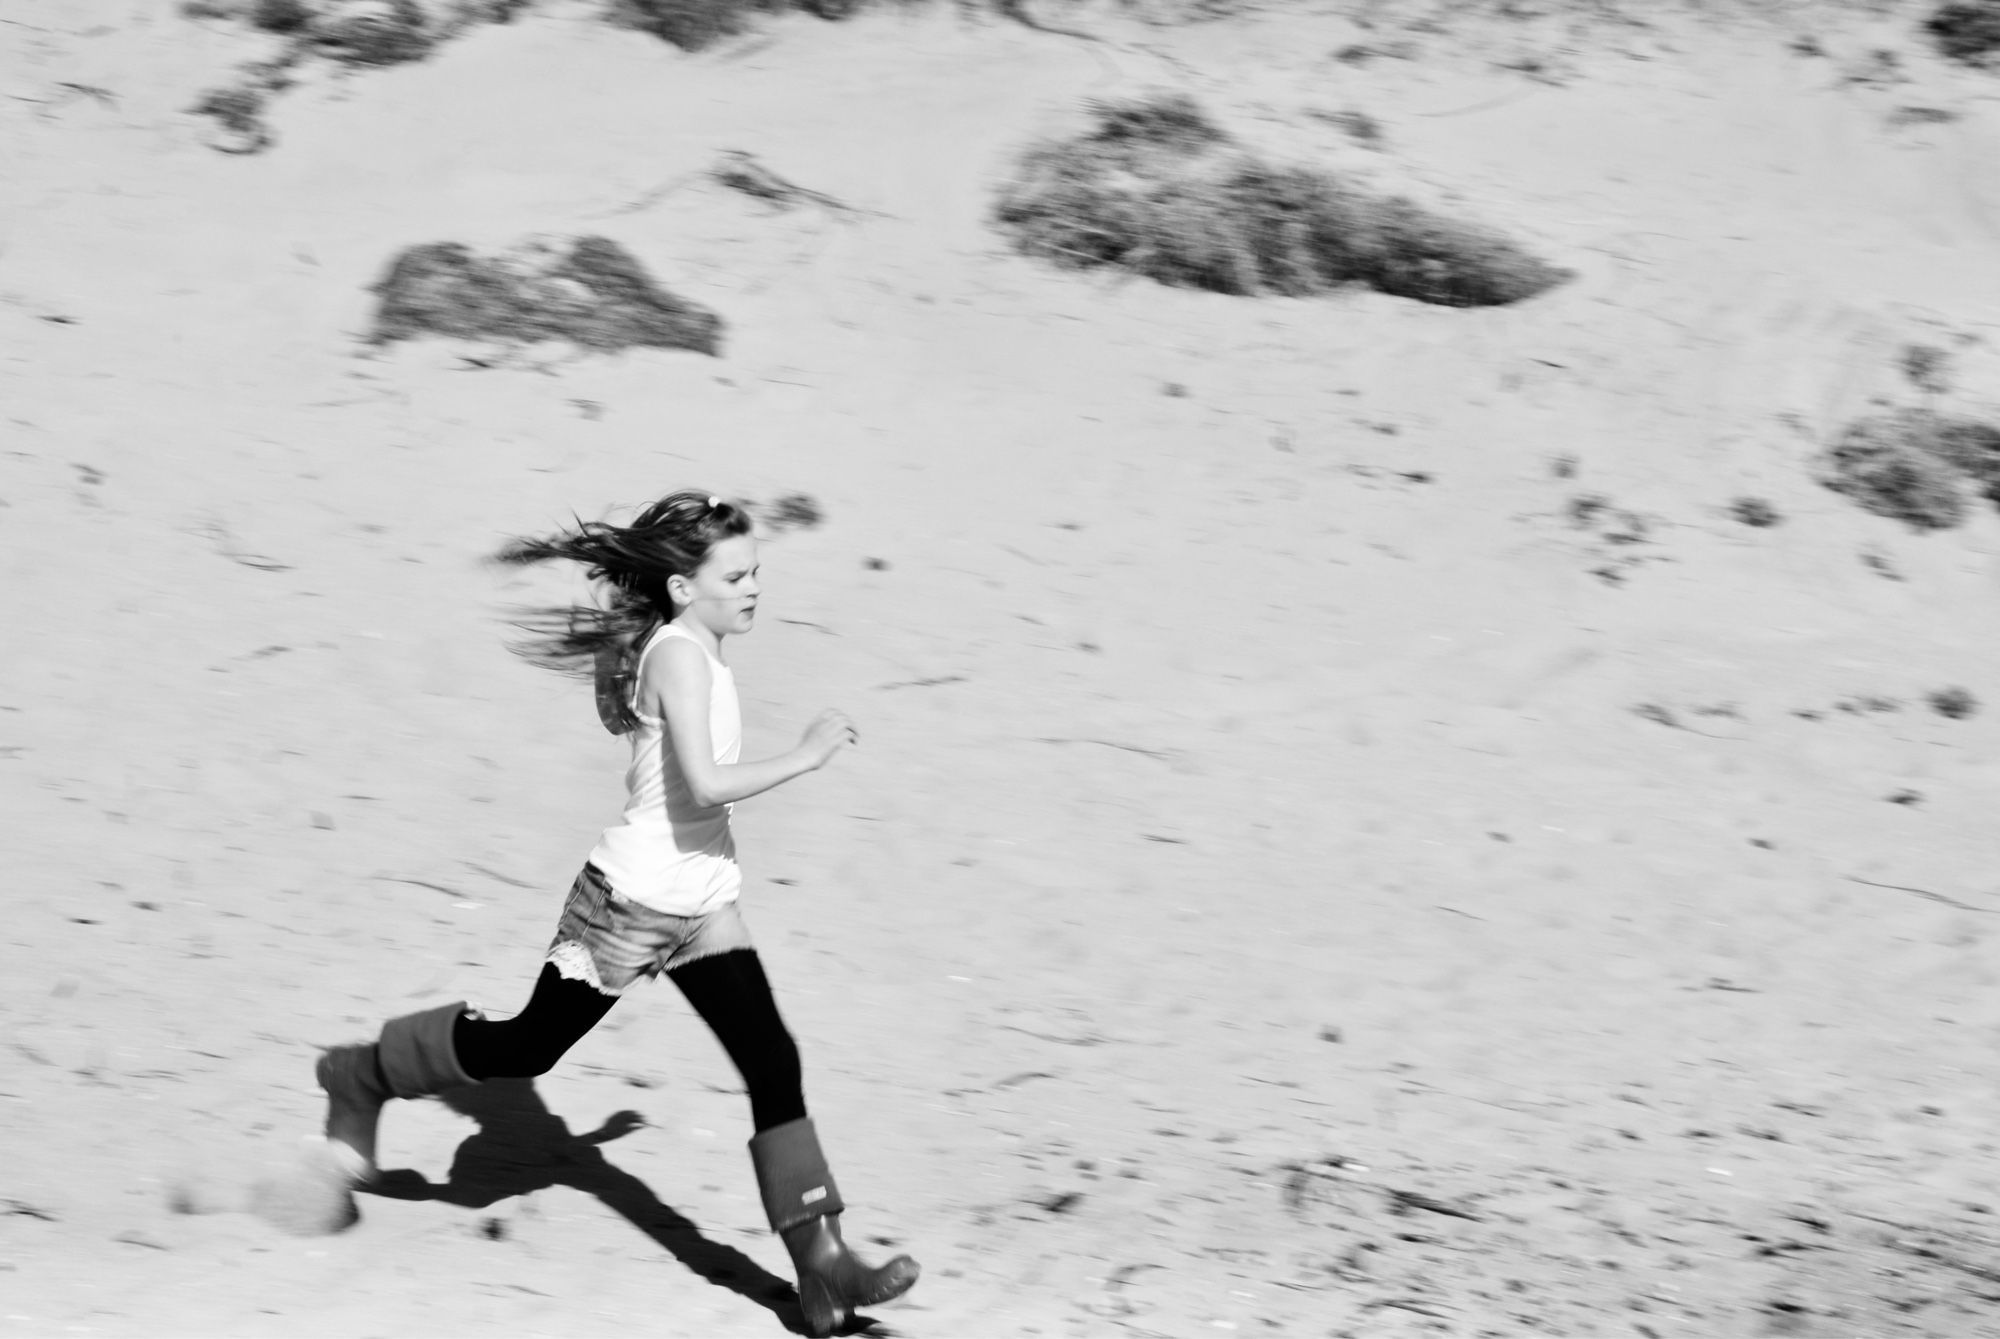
(608, 941)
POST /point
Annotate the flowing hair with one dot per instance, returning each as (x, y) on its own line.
(672, 537)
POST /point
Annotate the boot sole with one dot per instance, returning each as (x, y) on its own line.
(825, 1312)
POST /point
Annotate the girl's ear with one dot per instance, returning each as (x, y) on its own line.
(679, 591)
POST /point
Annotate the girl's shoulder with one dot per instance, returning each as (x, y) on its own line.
(675, 669)
(674, 655)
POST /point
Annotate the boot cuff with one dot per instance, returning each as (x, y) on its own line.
(792, 1174)
(418, 1057)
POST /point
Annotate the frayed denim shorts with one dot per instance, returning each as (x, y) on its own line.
(608, 941)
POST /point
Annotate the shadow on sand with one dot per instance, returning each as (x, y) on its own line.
(522, 1147)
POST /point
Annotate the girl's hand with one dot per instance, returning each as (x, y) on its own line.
(827, 736)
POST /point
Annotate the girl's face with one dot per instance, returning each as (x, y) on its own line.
(722, 594)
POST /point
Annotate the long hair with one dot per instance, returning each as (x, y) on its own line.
(631, 563)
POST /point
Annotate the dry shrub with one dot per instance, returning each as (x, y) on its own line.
(1928, 367)
(361, 32)
(1449, 262)
(1970, 447)
(1754, 512)
(691, 25)
(388, 32)
(1968, 31)
(1358, 126)
(1155, 187)
(369, 32)
(792, 511)
(487, 11)
(449, 18)
(392, 32)
(1172, 122)
(281, 16)
(1953, 703)
(239, 108)
(217, 9)
(594, 294)
(1901, 465)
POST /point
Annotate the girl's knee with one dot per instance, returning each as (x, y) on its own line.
(501, 1051)
(533, 1065)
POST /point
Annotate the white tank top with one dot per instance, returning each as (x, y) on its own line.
(666, 851)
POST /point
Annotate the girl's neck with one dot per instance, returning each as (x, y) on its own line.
(700, 631)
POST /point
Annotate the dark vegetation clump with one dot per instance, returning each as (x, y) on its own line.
(792, 511)
(1882, 464)
(238, 113)
(1154, 187)
(1358, 126)
(1920, 116)
(240, 108)
(691, 25)
(359, 32)
(1928, 368)
(281, 16)
(382, 32)
(391, 32)
(1754, 512)
(1970, 447)
(594, 294)
(1913, 465)
(1953, 703)
(1968, 31)
(1172, 122)
(350, 32)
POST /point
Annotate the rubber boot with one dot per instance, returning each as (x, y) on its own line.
(413, 1057)
(804, 1207)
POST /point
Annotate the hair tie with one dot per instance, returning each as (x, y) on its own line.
(714, 502)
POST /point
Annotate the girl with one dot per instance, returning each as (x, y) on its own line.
(658, 893)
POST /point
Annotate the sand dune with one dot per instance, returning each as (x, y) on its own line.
(1354, 836)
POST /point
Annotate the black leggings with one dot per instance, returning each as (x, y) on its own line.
(728, 990)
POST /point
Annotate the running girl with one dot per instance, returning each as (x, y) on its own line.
(659, 891)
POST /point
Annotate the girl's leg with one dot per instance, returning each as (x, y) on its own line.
(424, 1053)
(561, 1010)
(447, 1047)
(733, 996)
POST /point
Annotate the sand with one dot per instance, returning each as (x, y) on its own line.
(1352, 835)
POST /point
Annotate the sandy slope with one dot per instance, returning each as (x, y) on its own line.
(1254, 827)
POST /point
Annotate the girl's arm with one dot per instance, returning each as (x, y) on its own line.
(677, 680)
